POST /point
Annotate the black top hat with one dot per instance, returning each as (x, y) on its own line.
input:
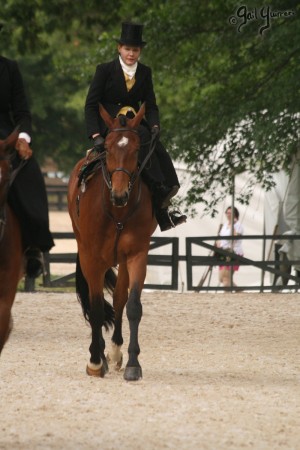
(131, 34)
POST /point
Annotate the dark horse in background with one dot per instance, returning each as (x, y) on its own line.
(113, 221)
(11, 251)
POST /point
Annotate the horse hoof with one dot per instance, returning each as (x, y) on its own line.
(118, 365)
(95, 370)
(133, 373)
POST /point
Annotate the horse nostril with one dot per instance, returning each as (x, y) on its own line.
(119, 201)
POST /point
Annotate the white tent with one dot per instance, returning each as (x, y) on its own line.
(252, 218)
(284, 204)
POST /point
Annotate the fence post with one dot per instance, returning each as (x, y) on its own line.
(46, 271)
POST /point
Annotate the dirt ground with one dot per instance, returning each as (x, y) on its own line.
(220, 371)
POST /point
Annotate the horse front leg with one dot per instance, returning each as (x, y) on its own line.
(97, 365)
(133, 370)
(120, 297)
(6, 324)
(134, 310)
(95, 309)
(7, 295)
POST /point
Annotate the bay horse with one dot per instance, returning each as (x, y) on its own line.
(11, 252)
(113, 220)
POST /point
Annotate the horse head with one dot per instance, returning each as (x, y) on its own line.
(6, 148)
(122, 145)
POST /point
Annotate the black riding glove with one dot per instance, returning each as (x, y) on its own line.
(155, 132)
(99, 143)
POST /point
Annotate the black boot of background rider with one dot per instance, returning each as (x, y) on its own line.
(34, 263)
(167, 220)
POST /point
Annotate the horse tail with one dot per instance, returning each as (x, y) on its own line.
(110, 280)
(82, 290)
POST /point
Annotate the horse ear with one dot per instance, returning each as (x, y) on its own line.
(105, 116)
(10, 141)
(134, 123)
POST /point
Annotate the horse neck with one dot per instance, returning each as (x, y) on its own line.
(4, 182)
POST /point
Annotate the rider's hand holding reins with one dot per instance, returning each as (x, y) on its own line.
(23, 148)
(155, 131)
(98, 143)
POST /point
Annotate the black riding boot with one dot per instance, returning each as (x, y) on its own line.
(167, 220)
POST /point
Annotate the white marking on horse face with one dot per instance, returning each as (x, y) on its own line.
(122, 142)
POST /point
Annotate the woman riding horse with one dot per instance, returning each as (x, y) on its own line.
(121, 86)
(27, 195)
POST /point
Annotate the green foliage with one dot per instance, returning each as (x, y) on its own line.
(228, 99)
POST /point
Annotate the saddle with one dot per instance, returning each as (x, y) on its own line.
(93, 162)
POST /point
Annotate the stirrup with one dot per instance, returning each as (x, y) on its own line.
(167, 220)
(177, 218)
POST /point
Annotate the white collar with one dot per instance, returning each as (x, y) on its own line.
(129, 70)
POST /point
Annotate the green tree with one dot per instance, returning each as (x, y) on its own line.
(229, 98)
(228, 93)
(57, 45)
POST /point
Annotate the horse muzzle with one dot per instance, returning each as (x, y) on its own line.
(119, 200)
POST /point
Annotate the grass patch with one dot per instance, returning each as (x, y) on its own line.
(39, 286)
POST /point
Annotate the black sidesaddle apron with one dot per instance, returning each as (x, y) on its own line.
(28, 199)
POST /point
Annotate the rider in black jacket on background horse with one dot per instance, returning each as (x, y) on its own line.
(27, 195)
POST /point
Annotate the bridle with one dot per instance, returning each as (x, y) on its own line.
(107, 176)
(133, 176)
